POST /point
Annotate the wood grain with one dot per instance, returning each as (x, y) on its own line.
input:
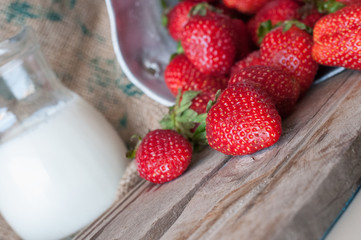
(292, 190)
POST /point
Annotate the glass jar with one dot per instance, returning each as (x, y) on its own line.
(60, 160)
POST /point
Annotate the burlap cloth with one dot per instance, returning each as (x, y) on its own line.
(75, 38)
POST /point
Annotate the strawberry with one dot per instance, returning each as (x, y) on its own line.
(163, 155)
(208, 42)
(278, 84)
(231, 12)
(245, 6)
(311, 18)
(253, 59)
(180, 73)
(242, 38)
(291, 50)
(242, 121)
(199, 103)
(178, 17)
(337, 38)
(276, 11)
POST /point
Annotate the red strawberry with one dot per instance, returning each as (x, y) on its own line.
(279, 85)
(245, 6)
(178, 17)
(276, 11)
(163, 155)
(337, 38)
(209, 44)
(199, 103)
(242, 121)
(253, 59)
(291, 50)
(180, 73)
(231, 12)
(242, 38)
(311, 18)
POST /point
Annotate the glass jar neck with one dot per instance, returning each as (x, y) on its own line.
(28, 86)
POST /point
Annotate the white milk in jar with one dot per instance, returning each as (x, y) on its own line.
(60, 160)
(61, 174)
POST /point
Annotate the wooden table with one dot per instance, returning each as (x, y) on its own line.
(292, 190)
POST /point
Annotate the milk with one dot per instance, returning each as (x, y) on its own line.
(62, 174)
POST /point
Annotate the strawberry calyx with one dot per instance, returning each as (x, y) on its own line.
(266, 26)
(212, 102)
(179, 50)
(186, 121)
(286, 25)
(202, 9)
(329, 6)
(322, 6)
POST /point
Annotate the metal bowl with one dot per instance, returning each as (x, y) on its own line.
(143, 46)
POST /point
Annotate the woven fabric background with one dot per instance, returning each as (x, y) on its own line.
(75, 38)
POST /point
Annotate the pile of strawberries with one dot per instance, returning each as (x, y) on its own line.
(240, 69)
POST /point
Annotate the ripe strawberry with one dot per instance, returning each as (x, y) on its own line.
(199, 103)
(180, 73)
(242, 38)
(291, 50)
(208, 43)
(253, 59)
(276, 11)
(337, 38)
(311, 18)
(178, 17)
(245, 6)
(163, 155)
(231, 12)
(242, 121)
(278, 84)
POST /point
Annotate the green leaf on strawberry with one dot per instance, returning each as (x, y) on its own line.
(289, 23)
(329, 6)
(264, 28)
(185, 120)
(202, 9)
(212, 102)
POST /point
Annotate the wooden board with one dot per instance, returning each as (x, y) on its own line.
(292, 190)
